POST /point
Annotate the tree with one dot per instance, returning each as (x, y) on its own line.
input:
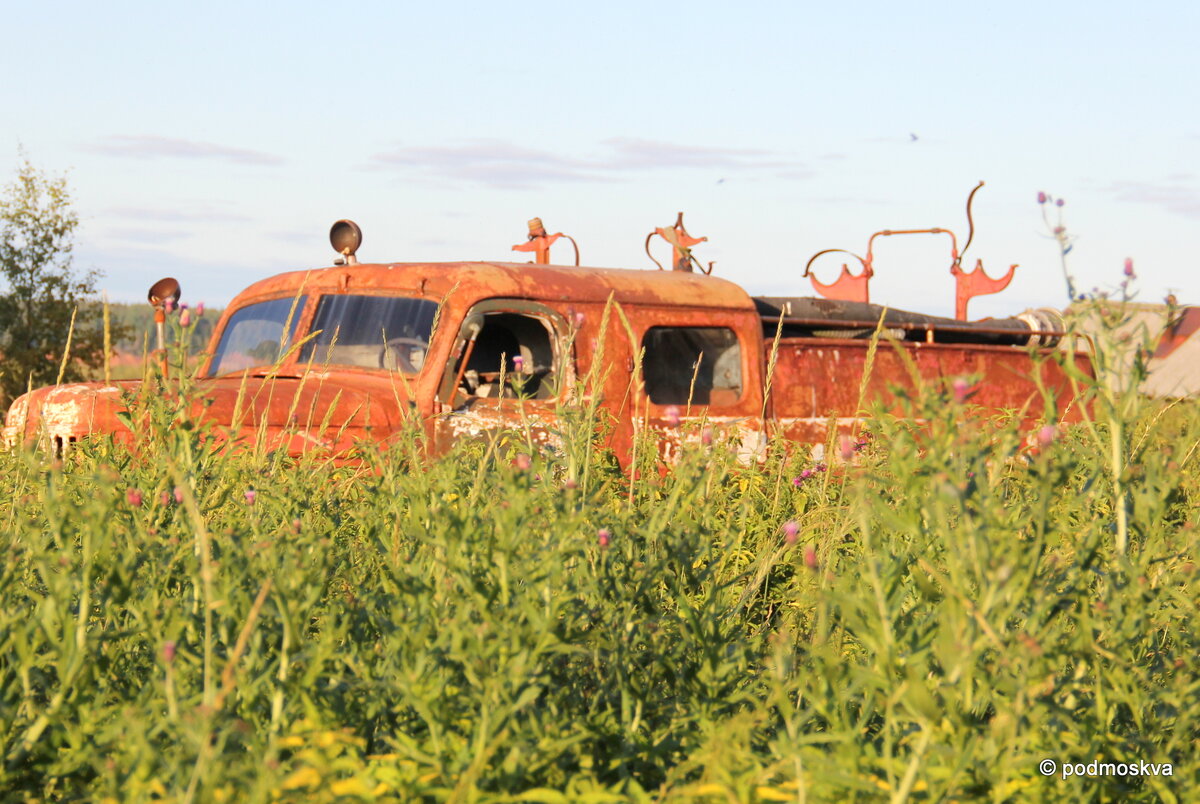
(39, 290)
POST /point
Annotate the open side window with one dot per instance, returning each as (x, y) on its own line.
(507, 349)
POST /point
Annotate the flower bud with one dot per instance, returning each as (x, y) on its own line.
(1042, 198)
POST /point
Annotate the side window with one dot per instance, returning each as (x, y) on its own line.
(702, 365)
(519, 346)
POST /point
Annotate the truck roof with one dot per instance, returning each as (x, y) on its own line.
(482, 280)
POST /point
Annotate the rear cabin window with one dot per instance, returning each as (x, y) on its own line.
(254, 335)
(387, 332)
(700, 365)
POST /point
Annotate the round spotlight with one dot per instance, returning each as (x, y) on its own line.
(345, 237)
(162, 290)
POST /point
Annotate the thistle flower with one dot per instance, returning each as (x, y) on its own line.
(603, 537)
(706, 436)
(518, 363)
(810, 557)
(1129, 267)
(671, 415)
(251, 495)
(1042, 198)
(185, 318)
(523, 462)
(1047, 435)
(846, 447)
(169, 305)
(179, 494)
(790, 529)
(134, 497)
(165, 498)
(168, 652)
(962, 389)
(199, 309)
(1058, 203)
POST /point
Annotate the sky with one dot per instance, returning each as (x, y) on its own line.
(218, 142)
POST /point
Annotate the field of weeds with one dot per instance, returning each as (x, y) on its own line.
(928, 617)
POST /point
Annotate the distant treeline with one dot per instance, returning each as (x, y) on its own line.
(138, 321)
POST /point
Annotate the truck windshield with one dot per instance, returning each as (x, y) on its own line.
(382, 332)
(255, 335)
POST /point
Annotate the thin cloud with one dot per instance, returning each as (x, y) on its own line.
(174, 215)
(505, 165)
(150, 147)
(1174, 197)
(152, 236)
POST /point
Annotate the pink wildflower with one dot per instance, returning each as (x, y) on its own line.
(810, 558)
(185, 318)
(523, 462)
(790, 529)
(671, 415)
(168, 652)
(570, 485)
(518, 362)
(962, 389)
(846, 447)
(706, 436)
(1058, 203)
(251, 495)
(604, 537)
(199, 309)
(178, 494)
(169, 305)
(134, 497)
(1047, 435)
(165, 498)
(1129, 267)
(1042, 198)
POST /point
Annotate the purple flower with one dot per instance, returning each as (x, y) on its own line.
(518, 362)
(671, 415)
(846, 447)
(603, 537)
(1042, 198)
(1058, 203)
(706, 436)
(962, 389)
(790, 529)
(169, 305)
(185, 318)
(199, 309)
(251, 495)
(1129, 267)
(1047, 435)
(810, 558)
(134, 497)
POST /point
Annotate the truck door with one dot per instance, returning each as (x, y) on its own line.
(511, 369)
(700, 372)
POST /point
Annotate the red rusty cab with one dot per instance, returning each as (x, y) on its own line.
(322, 359)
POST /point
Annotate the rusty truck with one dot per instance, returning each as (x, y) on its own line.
(321, 359)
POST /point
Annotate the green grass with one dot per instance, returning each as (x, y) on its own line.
(953, 607)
